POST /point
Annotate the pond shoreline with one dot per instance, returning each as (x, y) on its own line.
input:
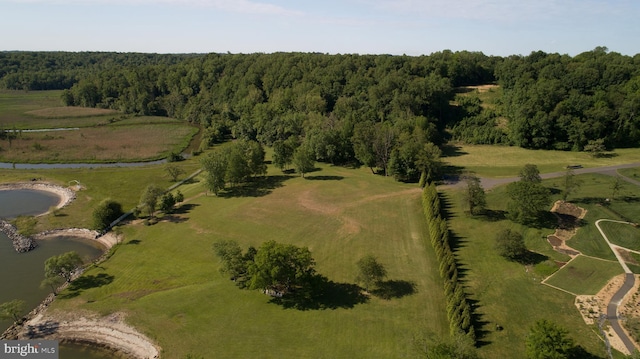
(88, 328)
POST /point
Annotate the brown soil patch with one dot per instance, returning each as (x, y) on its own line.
(569, 217)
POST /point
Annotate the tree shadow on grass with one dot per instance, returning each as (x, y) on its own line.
(391, 289)
(481, 327)
(185, 208)
(86, 282)
(531, 258)
(324, 178)
(322, 293)
(491, 215)
(258, 187)
(134, 241)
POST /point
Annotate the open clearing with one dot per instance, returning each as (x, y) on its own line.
(166, 276)
(506, 161)
(69, 111)
(98, 144)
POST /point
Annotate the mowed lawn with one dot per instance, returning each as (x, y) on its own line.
(585, 275)
(624, 235)
(507, 161)
(166, 276)
(99, 144)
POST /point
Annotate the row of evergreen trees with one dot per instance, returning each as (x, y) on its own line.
(459, 309)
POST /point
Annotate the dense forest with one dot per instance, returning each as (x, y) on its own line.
(379, 110)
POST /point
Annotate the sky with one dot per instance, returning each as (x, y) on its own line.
(411, 27)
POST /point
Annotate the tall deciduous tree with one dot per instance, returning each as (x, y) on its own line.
(173, 171)
(370, 271)
(280, 267)
(230, 253)
(63, 265)
(528, 196)
(303, 159)
(510, 244)
(570, 184)
(215, 167)
(530, 173)
(547, 340)
(149, 198)
(474, 196)
(528, 199)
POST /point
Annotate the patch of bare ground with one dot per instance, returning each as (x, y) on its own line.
(569, 217)
(482, 88)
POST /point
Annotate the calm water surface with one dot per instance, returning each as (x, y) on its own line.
(21, 273)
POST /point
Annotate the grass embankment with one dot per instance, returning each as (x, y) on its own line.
(166, 275)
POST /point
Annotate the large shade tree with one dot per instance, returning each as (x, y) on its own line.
(280, 267)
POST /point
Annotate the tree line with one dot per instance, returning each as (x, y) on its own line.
(459, 311)
(378, 110)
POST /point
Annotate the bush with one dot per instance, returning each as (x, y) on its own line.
(106, 212)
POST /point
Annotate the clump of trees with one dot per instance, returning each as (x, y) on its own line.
(560, 102)
(273, 267)
(234, 164)
(459, 309)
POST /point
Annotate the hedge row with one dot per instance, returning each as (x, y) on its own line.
(458, 307)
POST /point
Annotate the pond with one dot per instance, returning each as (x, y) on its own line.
(23, 272)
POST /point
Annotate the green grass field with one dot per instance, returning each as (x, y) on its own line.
(505, 161)
(99, 144)
(103, 135)
(585, 275)
(509, 294)
(624, 235)
(167, 278)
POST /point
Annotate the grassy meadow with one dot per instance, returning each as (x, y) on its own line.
(506, 161)
(166, 276)
(99, 144)
(100, 135)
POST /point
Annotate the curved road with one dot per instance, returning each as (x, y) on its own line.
(629, 281)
